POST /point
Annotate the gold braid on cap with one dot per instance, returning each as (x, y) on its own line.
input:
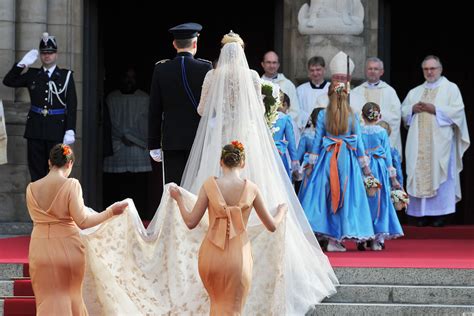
(232, 37)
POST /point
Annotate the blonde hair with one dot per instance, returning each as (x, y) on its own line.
(232, 37)
(338, 110)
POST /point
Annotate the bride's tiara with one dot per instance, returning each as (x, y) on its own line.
(232, 37)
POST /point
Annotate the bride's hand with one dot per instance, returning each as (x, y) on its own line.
(175, 193)
(119, 207)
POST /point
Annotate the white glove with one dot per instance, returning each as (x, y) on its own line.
(29, 58)
(156, 155)
(69, 137)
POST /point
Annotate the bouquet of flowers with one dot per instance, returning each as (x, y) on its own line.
(400, 199)
(372, 185)
(272, 101)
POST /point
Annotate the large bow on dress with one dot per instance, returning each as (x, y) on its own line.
(228, 221)
(334, 144)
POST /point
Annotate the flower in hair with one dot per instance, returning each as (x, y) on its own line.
(66, 150)
(373, 115)
(238, 145)
(340, 86)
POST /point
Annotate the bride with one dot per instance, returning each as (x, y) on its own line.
(136, 271)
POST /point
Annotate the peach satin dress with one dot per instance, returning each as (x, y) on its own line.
(57, 254)
(225, 256)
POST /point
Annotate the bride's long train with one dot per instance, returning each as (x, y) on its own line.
(133, 271)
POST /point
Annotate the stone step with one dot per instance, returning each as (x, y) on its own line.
(403, 294)
(351, 309)
(15, 228)
(10, 271)
(6, 288)
(406, 276)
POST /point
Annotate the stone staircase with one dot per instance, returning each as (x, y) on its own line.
(16, 294)
(363, 291)
(400, 291)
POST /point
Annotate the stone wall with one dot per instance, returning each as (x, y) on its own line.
(299, 47)
(21, 24)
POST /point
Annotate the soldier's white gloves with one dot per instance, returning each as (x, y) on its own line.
(69, 137)
(156, 155)
(29, 59)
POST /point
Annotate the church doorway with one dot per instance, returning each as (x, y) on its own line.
(138, 36)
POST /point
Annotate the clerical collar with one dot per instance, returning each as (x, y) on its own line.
(270, 79)
(434, 85)
(373, 85)
(318, 86)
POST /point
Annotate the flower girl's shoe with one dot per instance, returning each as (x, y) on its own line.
(334, 246)
(376, 246)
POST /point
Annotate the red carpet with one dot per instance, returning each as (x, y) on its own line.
(22, 288)
(421, 247)
(425, 247)
(19, 307)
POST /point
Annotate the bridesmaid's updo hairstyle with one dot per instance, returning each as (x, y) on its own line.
(60, 155)
(233, 154)
(371, 112)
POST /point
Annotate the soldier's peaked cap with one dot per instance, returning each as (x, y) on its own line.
(186, 30)
(48, 43)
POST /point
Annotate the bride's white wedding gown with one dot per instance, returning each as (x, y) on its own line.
(137, 271)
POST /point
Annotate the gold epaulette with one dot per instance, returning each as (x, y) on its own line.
(161, 61)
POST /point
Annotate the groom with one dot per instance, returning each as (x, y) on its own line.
(174, 97)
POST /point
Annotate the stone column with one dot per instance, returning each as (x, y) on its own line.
(65, 22)
(7, 44)
(31, 17)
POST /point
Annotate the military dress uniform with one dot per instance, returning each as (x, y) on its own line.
(174, 97)
(52, 112)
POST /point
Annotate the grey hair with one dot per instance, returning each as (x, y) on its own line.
(374, 60)
(432, 57)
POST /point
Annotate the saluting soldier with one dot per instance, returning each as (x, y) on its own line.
(52, 116)
(174, 96)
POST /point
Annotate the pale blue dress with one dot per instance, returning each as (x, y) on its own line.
(384, 215)
(350, 217)
(284, 138)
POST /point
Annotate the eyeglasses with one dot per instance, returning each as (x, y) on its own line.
(430, 69)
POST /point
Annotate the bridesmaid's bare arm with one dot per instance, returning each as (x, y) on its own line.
(270, 222)
(191, 218)
(85, 219)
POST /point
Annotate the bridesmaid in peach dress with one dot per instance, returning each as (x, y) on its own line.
(56, 254)
(225, 257)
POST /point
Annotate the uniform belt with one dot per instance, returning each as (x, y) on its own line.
(46, 112)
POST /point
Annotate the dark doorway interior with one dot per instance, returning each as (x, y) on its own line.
(137, 35)
(423, 29)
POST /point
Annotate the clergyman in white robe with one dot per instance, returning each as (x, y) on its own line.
(386, 97)
(308, 93)
(434, 149)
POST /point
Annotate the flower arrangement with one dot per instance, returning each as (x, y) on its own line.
(271, 101)
(66, 150)
(374, 115)
(238, 145)
(400, 199)
(372, 185)
(340, 86)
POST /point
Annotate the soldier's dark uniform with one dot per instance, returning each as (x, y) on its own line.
(48, 119)
(174, 96)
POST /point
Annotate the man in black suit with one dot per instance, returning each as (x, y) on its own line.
(52, 116)
(174, 97)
